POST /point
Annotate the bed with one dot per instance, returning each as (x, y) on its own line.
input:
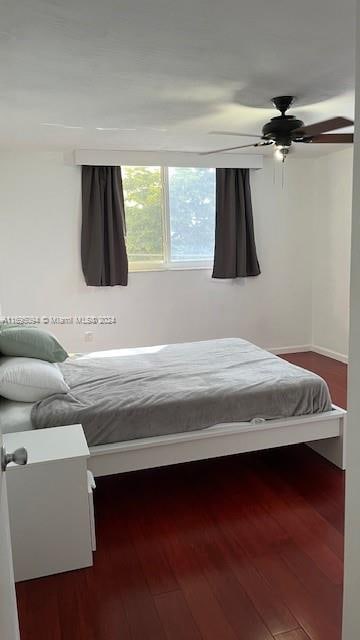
(166, 404)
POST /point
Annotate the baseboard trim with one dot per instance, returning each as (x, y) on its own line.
(294, 349)
(341, 357)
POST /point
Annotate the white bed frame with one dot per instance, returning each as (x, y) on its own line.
(324, 432)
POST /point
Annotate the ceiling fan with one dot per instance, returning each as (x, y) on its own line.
(283, 130)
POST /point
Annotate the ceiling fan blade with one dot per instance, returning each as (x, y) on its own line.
(331, 138)
(208, 153)
(234, 133)
(244, 146)
(325, 125)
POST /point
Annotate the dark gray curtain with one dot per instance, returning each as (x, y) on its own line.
(103, 249)
(235, 251)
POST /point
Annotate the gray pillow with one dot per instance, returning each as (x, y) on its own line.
(30, 342)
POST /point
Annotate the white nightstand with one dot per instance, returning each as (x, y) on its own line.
(50, 502)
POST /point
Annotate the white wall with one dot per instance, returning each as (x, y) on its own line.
(331, 227)
(40, 271)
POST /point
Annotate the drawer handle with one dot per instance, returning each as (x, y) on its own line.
(19, 456)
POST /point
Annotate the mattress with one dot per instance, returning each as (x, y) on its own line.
(136, 393)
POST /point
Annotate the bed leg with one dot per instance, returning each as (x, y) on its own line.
(333, 449)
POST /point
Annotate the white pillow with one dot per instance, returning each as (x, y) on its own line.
(29, 379)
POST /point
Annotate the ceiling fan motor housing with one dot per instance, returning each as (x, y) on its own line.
(282, 130)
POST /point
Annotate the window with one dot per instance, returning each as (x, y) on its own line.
(143, 195)
(170, 216)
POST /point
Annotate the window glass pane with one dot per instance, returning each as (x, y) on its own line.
(143, 211)
(192, 213)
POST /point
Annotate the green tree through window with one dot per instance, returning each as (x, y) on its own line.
(170, 215)
(143, 210)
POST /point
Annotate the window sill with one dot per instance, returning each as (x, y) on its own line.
(207, 266)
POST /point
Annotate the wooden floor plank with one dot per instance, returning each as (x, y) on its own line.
(301, 507)
(176, 617)
(229, 592)
(302, 604)
(101, 600)
(319, 486)
(270, 606)
(297, 634)
(212, 527)
(154, 563)
(296, 525)
(207, 563)
(206, 610)
(39, 610)
(132, 591)
(314, 581)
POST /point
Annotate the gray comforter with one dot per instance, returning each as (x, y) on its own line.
(179, 387)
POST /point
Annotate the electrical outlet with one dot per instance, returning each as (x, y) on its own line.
(89, 336)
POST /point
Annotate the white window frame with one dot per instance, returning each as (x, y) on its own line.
(167, 264)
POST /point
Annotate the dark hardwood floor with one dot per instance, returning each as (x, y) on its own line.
(247, 547)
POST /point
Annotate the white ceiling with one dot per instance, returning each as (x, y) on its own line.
(162, 74)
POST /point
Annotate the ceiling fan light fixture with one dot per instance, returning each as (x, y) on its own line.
(282, 151)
